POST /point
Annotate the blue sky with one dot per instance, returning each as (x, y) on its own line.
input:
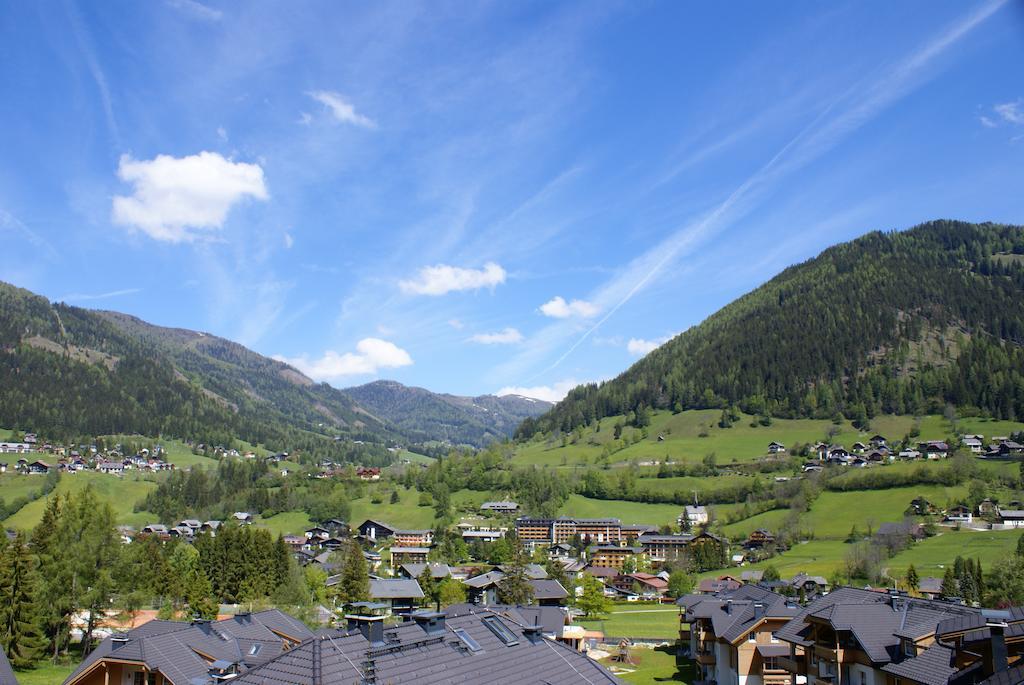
(483, 197)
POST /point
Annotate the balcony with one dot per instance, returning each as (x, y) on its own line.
(790, 665)
(706, 657)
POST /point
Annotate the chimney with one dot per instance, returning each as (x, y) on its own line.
(371, 627)
(118, 640)
(728, 606)
(431, 622)
(995, 657)
(758, 610)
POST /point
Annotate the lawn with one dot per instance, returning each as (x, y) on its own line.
(407, 513)
(15, 485)
(639, 620)
(833, 514)
(816, 557)
(121, 493)
(44, 674)
(769, 520)
(930, 556)
(652, 666)
(286, 523)
(178, 453)
(627, 512)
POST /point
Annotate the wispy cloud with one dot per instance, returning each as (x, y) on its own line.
(371, 355)
(340, 108)
(839, 118)
(11, 224)
(82, 297)
(442, 279)
(508, 336)
(1011, 112)
(196, 10)
(640, 347)
(184, 199)
(92, 62)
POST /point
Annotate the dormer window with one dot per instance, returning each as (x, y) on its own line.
(908, 648)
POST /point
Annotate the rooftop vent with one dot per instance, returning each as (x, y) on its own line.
(431, 622)
(118, 640)
(371, 627)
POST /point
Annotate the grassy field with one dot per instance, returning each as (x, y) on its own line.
(638, 620)
(652, 666)
(834, 513)
(122, 493)
(178, 453)
(930, 556)
(286, 523)
(627, 512)
(44, 674)
(741, 443)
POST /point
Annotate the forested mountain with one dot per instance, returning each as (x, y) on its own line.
(422, 415)
(67, 372)
(899, 322)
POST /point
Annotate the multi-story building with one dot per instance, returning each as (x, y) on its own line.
(732, 635)
(413, 538)
(859, 637)
(533, 531)
(613, 556)
(661, 548)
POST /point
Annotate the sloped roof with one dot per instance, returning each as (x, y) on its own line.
(412, 655)
(933, 666)
(395, 588)
(547, 588)
(734, 612)
(173, 647)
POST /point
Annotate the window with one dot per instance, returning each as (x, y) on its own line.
(471, 644)
(908, 648)
(254, 650)
(774, 638)
(863, 678)
(501, 631)
(752, 637)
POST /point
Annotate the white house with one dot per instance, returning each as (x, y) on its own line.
(694, 515)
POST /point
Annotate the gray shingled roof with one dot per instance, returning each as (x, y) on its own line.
(548, 588)
(411, 655)
(733, 613)
(395, 588)
(933, 666)
(171, 647)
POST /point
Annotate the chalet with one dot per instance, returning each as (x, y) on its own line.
(732, 635)
(759, 539)
(897, 533)
(959, 514)
(858, 447)
(401, 595)
(877, 455)
(838, 453)
(294, 542)
(30, 438)
(809, 586)
(987, 507)
(317, 534)
(183, 532)
(752, 576)
(482, 590)
(909, 454)
(500, 507)
(408, 555)
(15, 447)
(973, 443)
(210, 527)
(157, 529)
(919, 506)
(110, 467)
(1006, 448)
(179, 653)
(776, 447)
(194, 524)
(3, 467)
(369, 473)
(375, 530)
(615, 557)
(38, 467)
(929, 587)
(642, 584)
(878, 441)
(853, 636)
(413, 538)
(1011, 518)
(934, 449)
(438, 570)
(710, 586)
(561, 551)
(242, 517)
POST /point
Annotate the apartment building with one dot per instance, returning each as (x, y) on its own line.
(732, 635)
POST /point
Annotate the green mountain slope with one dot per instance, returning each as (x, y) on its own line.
(422, 415)
(901, 322)
(67, 371)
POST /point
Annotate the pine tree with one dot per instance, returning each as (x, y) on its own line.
(429, 587)
(515, 587)
(354, 584)
(949, 587)
(912, 579)
(21, 632)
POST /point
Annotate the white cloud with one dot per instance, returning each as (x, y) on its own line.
(371, 355)
(441, 279)
(639, 346)
(182, 199)
(305, 119)
(196, 9)
(1012, 112)
(288, 240)
(509, 336)
(558, 308)
(340, 108)
(987, 122)
(456, 324)
(549, 393)
(222, 133)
